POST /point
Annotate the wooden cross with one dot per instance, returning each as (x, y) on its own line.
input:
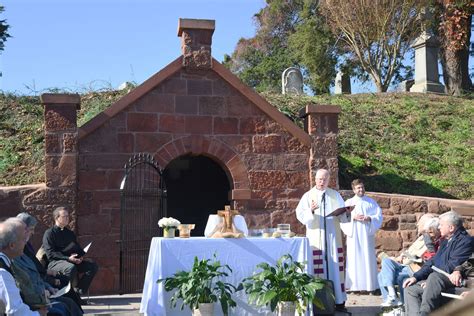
(227, 229)
(228, 216)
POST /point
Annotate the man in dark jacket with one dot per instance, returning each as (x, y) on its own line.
(64, 253)
(423, 290)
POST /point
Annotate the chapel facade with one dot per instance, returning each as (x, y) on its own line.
(193, 116)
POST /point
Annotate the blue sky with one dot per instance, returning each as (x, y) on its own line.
(90, 44)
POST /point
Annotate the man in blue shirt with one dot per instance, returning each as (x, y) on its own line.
(423, 290)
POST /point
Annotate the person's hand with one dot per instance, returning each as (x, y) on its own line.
(52, 273)
(423, 285)
(74, 259)
(455, 278)
(362, 218)
(52, 290)
(43, 311)
(314, 206)
(409, 282)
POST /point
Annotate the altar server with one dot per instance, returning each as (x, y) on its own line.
(324, 233)
(366, 218)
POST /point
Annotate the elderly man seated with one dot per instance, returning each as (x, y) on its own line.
(423, 289)
(12, 241)
(33, 286)
(395, 270)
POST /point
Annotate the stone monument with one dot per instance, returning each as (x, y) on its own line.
(426, 65)
(426, 59)
(342, 83)
(292, 81)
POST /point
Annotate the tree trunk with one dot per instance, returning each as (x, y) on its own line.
(455, 64)
(378, 83)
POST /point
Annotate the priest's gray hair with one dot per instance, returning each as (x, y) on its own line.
(452, 217)
(28, 219)
(8, 231)
(432, 223)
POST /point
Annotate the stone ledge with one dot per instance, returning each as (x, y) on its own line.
(195, 24)
(61, 98)
(320, 108)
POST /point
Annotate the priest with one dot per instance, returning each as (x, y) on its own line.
(366, 218)
(324, 233)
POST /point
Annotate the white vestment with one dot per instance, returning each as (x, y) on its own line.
(315, 231)
(361, 264)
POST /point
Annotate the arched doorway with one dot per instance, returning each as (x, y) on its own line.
(197, 186)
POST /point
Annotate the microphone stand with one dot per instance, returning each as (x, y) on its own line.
(323, 204)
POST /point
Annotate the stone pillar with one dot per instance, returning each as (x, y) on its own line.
(321, 123)
(61, 152)
(342, 84)
(196, 41)
(426, 65)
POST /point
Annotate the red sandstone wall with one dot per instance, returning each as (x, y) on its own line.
(401, 212)
(398, 231)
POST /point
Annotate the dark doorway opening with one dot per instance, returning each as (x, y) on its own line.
(197, 186)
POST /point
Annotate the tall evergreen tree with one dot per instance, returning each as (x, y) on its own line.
(288, 34)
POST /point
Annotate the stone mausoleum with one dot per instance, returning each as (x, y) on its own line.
(214, 142)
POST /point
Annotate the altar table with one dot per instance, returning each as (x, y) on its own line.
(169, 255)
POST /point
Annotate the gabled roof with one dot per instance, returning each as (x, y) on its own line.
(172, 68)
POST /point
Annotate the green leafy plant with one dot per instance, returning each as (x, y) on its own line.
(285, 282)
(202, 285)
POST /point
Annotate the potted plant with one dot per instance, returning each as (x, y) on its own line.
(202, 287)
(285, 285)
(169, 225)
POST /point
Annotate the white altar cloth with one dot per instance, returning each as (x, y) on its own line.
(169, 255)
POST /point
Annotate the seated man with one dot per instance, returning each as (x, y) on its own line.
(64, 253)
(423, 289)
(395, 270)
(12, 241)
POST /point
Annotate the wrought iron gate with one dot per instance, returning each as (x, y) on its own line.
(143, 203)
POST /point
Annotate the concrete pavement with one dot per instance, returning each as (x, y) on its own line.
(129, 305)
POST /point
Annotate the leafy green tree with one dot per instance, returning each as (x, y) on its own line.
(289, 33)
(313, 45)
(3, 30)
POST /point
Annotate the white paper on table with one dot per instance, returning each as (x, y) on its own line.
(86, 248)
(62, 291)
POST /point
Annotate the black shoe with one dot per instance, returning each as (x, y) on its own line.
(341, 307)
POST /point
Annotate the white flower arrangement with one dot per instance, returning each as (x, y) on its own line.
(168, 222)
